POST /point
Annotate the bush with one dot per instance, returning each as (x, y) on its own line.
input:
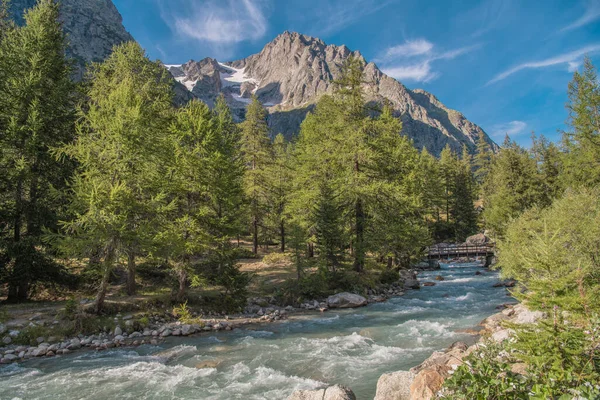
(389, 276)
(554, 253)
(562, 362)
(276, 258)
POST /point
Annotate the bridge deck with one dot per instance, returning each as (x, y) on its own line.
(461, 251)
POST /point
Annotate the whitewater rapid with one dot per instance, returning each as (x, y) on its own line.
(350, 347)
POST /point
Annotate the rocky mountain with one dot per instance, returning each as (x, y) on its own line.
(290, 74)
(93, 27)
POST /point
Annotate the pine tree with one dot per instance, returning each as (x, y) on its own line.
(448, 168)
(257, 153)
(37, 100)
(122, 152)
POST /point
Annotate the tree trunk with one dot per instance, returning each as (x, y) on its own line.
(255, 235)
(311, 250)
(131, 287)
(182, 278)
(108, 266)
(282, 234)
(390, 262)
(359, 248)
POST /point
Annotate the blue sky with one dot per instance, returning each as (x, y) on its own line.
(505, 64)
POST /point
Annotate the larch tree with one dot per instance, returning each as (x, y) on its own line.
(257, 152)
(121, 151)
(37, 114)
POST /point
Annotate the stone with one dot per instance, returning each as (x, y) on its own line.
(336, 392)
(519, 368)
(119, 338)
(41, 340)
(74, 345)
(7, 340)
(525, 316)
(208, 364)
(346, 300)
(394, 386)
(427, 383)
(412, 284)
(39, 352)
(165, 333)
(501, 335)
(428, 283)
(118, 331)
(439, 278)
(127, 317)
(477, 240)
(3, 329)
(10, 357)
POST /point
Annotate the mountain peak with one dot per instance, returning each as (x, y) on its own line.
(293, 71)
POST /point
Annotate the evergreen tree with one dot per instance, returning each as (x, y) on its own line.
(37, 100)
(328, 227)
(582, 161)
(257, 153)
(463, 212)
(483, 158)
(448, 168)
(279, 185)
(122, 155)
(513, 185)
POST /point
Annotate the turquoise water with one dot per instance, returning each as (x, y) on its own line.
(351, 347)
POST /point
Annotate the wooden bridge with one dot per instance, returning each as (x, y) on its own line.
(486, 250)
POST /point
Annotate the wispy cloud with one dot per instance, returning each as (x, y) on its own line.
(572, 59)
(512, 128)
(220, 22)
(412, 60)
(591, 14)
(331, 16)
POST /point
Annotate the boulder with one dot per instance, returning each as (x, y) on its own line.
(412, 284)
(439, 278)
(336, 392)
(394, 386)
(118, 331)
(428, 283)
(523, 315)
(477, 240)
(428, 382)
(346, 300)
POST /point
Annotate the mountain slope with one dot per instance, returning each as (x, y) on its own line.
(93, 27)
(293, 71)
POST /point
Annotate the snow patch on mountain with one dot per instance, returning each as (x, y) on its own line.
(234, 76)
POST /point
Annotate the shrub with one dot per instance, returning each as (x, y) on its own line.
(276, 258)
(389, 276)
(184, 314)
(562, 362)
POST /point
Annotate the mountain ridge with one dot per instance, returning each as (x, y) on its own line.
(293, 70)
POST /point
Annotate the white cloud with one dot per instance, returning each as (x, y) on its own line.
(416, 72)
(216, 22)
(571, 59)
(573, 65)
(512, 128)
(410, 48)
(592, 13)
(412, 60)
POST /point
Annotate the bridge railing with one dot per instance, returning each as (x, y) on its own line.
(462, 249)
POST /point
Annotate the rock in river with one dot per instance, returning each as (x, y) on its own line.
(346, 300)
(336, 392)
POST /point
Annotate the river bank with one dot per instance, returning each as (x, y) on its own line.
(306, 351)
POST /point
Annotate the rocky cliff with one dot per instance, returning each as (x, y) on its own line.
(93, 27)
(290, 74)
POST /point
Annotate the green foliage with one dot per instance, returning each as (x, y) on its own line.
(389, 276)
(562, 362)
(37, 99)
(554, 253)
(582, 142)
(184, 314)
(276, 258)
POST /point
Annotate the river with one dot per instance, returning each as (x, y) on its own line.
(350, 347)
